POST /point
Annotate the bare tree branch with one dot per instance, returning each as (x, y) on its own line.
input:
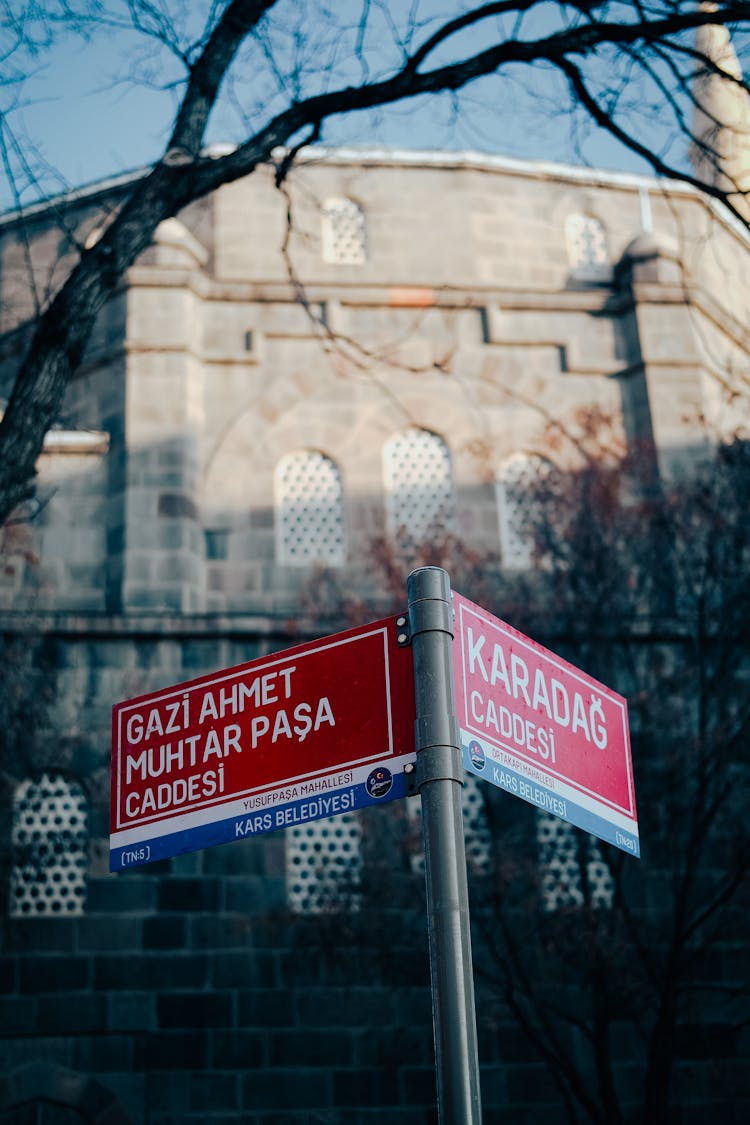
(183, 175)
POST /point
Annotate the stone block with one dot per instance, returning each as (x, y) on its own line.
(411, 1044)
(219, 931)
(238, 1049)
(247, 969)
(131, 1011)
(152, 971)
(176, 1050)
(162, 599)
(287, 1088)
(212, 1092)
(531, 1084)
(92, 1054)
(189, 894)
(40, 934)
(18, 1015)
(167, 1093)
(70, 1013)
(190, 863)
(296, 970)
(176, 566)
(128, 1088)
(165, 931)
(417, 1085)
(252, 893)
(122, 893)
(336, 1007)
(35, 1049)
(300, 1048)
(265, 1007)
(52, 973)
(364, 1086)
(176, 505)
(413, 1006)
(195, 1009)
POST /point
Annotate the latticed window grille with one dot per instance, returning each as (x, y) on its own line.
(519, 507)
(344, 232)
(49, 835)
(477, 834)
(323, 864)
(418, 487)
(586, 241)
(560, 861)
(309, 509)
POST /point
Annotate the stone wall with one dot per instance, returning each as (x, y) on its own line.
(189, 990)
(205, 371)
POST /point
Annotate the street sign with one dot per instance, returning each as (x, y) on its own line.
(323, 728)
(534, 725)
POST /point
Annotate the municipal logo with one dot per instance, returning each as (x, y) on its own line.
(379, 782)
(476, 754)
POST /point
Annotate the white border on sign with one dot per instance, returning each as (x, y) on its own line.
(568, 670)
(566, 792)
(223, 677)
(187, 820)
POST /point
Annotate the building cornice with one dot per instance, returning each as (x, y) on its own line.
(381, 156)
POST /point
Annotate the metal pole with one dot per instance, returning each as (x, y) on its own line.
(440, 779)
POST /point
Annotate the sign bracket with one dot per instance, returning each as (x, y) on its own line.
(403, 635)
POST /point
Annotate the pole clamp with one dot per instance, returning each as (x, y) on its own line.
(439, 763)
(431, 615)
(436, 728)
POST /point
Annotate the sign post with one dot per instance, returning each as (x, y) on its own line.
(440, 775)
(326, 727)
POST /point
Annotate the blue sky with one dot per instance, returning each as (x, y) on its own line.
(90, 119)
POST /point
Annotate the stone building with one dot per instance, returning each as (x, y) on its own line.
(247, 429)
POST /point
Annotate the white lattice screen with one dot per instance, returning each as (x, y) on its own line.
(323, 864)
(586, 241)
(560, 865)
(477, 835)
(309, 509)
(418, 486)
(49, 836)
(344, 232)
(516, 489)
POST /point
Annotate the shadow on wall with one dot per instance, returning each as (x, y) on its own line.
(45, 1094)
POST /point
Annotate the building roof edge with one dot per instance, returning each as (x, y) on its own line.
(426, 158)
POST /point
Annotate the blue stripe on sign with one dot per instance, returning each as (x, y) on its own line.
(547, 799)
(256, 822)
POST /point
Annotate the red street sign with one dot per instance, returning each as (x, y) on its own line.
(322, 728)
(536, 726)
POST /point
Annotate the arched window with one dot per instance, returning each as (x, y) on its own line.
(343, 232)
(586, 242)
(418, 487)
(569, 860)
(309, 509)
(519, 507)
(49, 835)
(323, 864)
